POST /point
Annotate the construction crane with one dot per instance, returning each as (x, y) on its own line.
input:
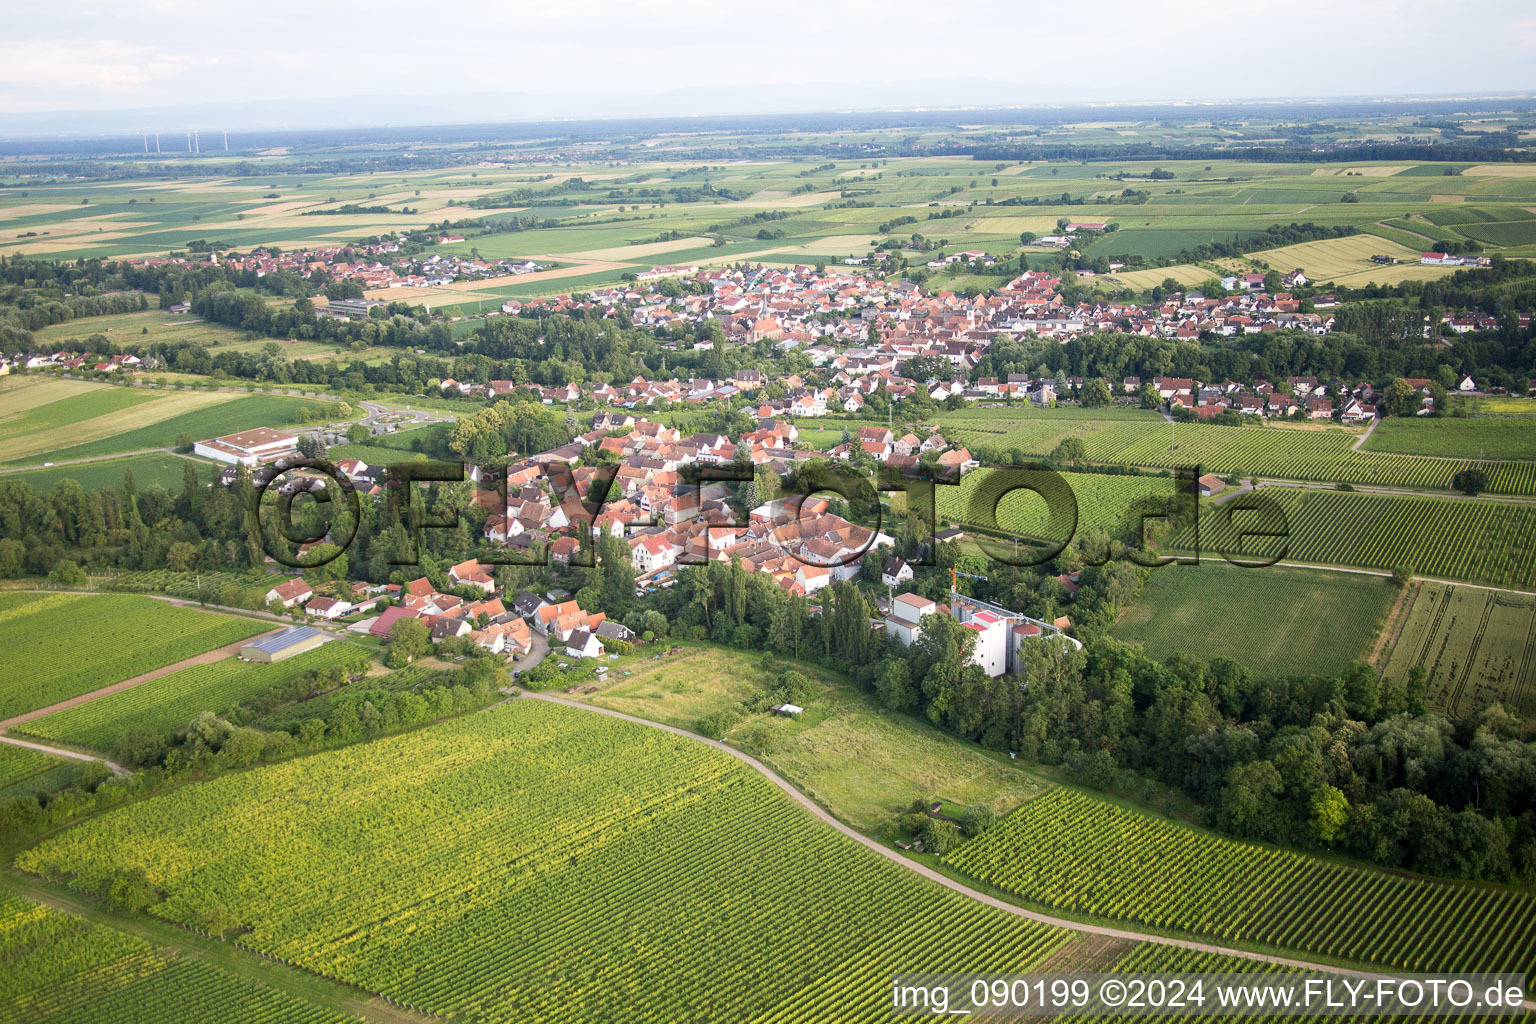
(954, 574)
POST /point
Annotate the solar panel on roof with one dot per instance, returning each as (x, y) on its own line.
(282, 641)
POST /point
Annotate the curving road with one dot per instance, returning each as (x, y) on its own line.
(950, 883)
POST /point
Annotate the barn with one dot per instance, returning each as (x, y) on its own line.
(279, 646)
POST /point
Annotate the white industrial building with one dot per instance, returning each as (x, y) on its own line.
(249, 447)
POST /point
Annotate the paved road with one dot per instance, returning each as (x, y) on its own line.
(73, 755)
(950, 883)
(538, 647)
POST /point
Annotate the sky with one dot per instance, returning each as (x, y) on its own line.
(673, 57)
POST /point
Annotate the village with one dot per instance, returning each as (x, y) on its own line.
(552, 506)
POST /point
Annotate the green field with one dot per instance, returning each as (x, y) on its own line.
(1289, 453)
(174, 700)
(46, 418)
(62, 968)
(213, 414)
(1471, 438)
(70, 217)
(74, 643)
(466, 858)
(165, 470)
(1478, 541)
(1125, 436)
(19, 764)
(1072, 851)
(1278, 620)
(1477, 646)
(1112, 504)
(1032, 431)
(863, 763)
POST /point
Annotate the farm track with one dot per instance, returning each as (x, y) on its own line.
(1523, 674)
(1459, 688)
(1392, 629)
(1365, 436)
(206, 658)
(96, 458)
(1434, 628)
(1080, 927)
(73, 755)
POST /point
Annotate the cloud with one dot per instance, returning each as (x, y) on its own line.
(39, 74)
(175, 52)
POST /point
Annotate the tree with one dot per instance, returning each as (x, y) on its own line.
(1095, 393)
(977, 818)
(939, 837)
(1148, 396)
(1401, 399)
(893, 685)
(408, 639)
(67, 573)
(1250, 801)
(757, 739)
(1070, 450)
(1470, 481)
(180, 556)
(357, 433)
(1328, 813)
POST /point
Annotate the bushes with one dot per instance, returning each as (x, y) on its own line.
(717, 725)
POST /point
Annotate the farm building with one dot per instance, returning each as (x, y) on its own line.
(280, 646)
(389, 617)
(1211, 484)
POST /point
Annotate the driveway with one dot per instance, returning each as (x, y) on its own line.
(536, 652)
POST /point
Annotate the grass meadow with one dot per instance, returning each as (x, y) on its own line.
(861, 762)
(1278, 621)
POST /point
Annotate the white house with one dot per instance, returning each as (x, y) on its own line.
(327, 608)
(895, 572)
(652, 553)
(906, 617)
(291, 593)
(582, 644)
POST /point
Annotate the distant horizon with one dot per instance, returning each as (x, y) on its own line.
(338, 113)
(604, 58)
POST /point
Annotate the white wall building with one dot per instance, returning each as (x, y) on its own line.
(249, 447)
(906, 617)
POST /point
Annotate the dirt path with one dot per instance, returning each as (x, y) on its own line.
(1368, 432)
(1392, 629)
(73, 755)
(206, 658)
(93, 458)
(1080, 927)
